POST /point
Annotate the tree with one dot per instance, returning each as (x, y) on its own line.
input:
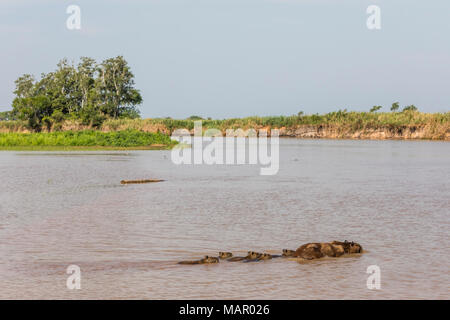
(64, 88)
(395, 106)
(24, 86)
(36, 110)
(410, 108)
(88, 92)
(375, 108)
(195, 118)
(85, 79)
(116, 88)
(6, 115)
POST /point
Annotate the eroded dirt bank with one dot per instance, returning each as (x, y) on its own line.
(398, 133)
(333, 132)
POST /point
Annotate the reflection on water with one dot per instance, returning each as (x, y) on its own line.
(58, 209)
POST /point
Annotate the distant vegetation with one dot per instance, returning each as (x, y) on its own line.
(375, 108)
(195, 118)
(119, 139)
(89, 92)
(344, 118)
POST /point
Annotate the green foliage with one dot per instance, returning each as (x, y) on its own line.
(375, 108)
(89, 92)
(115, 86)
(126, 138)
(36, 110)
(7, 116)
(25, 86)
(395, 106)
(195, 118)
(410, 108)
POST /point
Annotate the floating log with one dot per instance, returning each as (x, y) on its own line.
(139, 181)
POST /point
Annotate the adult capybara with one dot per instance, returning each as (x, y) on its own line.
(328, 250)
(318, 250)
(309, 251)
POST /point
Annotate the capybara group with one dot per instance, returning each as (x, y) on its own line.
(308, 251)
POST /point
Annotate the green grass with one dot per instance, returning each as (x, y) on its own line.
(84, 140)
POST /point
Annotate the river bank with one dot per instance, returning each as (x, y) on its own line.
(334, 125)
(85, 140)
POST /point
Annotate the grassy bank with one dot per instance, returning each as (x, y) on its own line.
(84, 140)
(339, 124)
(355, 120)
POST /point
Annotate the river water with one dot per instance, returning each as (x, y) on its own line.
(64, 208)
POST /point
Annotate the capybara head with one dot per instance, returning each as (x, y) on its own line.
(355, 248)
(288, 253)
(349, 247)
(253, 255)
(225, 255)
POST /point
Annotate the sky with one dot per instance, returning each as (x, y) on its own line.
(236, 58)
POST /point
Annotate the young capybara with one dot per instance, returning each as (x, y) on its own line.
(287, 253)
(205, 260)
(251, 255)
(225, 255)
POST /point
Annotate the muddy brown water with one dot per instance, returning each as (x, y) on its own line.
(63, 208)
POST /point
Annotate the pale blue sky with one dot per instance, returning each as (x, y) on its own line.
(233, 58)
